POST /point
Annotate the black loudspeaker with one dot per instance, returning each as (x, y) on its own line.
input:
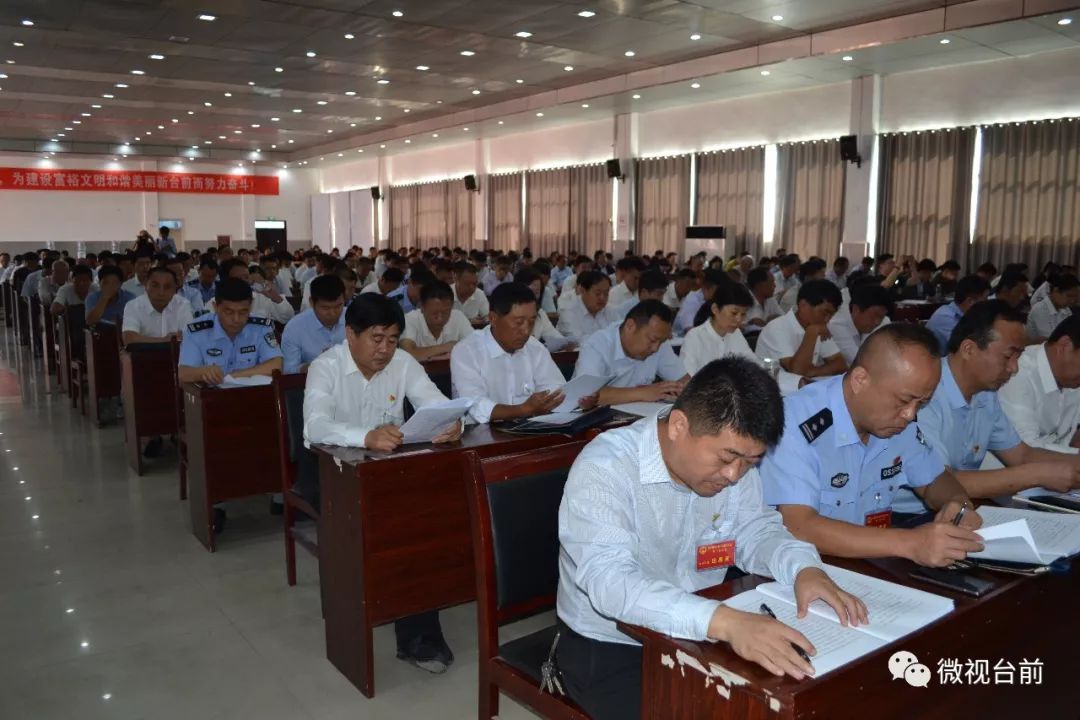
(614, 170)
(706, 232)
(849, 150)
(375, 194)
(470, 183)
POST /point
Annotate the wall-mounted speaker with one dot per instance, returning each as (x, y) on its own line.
(849, 150)
(375, 194)
(470, 183)
(614, 169)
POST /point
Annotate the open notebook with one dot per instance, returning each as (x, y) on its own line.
(895, 611)
(1027, 536)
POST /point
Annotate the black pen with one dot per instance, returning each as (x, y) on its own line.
(960, 515)
(766, 610)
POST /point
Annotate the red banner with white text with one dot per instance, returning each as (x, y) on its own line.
(136, 181)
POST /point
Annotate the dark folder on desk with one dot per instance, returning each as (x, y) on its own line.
(580, 423)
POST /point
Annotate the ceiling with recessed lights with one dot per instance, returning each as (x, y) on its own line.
(230, 77)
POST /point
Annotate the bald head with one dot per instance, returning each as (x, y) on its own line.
(894, 374)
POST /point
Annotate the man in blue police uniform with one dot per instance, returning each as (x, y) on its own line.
(318, 328)
(851, 442)
(206, 283)
(230, 341)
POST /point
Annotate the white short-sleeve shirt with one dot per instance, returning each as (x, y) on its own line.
(417, 330)
(141, 317)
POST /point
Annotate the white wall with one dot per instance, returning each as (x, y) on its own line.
(555, 147)
(99, 218)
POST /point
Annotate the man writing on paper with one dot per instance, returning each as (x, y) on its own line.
(800, 339)
(634, 353)
(849, 444)
(318, 328)
(355, 396)
(435, 327)
(964, 419)
(657, 510)
(508, 373)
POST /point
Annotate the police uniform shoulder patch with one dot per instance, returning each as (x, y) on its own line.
(254, 320)
(816, 425)
(271, 339)
(200, 325)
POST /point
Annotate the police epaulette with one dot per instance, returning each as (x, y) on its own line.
(200, 325)
(813, 428)
(253, 320)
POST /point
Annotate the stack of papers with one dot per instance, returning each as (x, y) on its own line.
(895, 611)
(580, 387)
(428, 422)
(1027, 536)
(252, 381)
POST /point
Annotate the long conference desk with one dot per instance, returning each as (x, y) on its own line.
(1025, 620)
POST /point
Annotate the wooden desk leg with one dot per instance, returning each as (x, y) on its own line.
(199, 504)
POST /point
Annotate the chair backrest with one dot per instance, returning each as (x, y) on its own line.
(75, 323)
(514, 507)
(296, 460)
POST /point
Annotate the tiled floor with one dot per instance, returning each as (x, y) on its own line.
(109, 607)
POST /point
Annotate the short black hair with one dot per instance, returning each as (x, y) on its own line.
(714, 278)
(232, 290)
(1070, 326)
(683, 274)
(757, 276)
(227, 266)
(811, 267)
(977, 324)
(393, 275)
(789, 260)
(373, 310)
(926, 265)
(970, 286)
(421, 276)
(1011, 278)
(110, 271)
(883, 257)
(816, 292)
(526, 276)
(727, 293)
(507, 295)
(1064, 282)
(436, 290)
(81, 271)
(651, 281)
(868, 295)
(208, 262)
(950, 265)
(591, 277)
(327, 288)
(988, 268)
(899, 335)
(646, 310)
(462, 267)
(161, 269)
(841, 261)
(734, 393)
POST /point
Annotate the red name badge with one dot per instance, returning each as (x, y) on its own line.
(881, 519)
(716, 555)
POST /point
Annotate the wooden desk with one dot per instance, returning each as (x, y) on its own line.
(1025, 618)
(146, 386)
(232, 449)
(394, 538)
(102, 367)
(914, 313)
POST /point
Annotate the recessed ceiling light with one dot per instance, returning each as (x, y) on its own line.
(341, 154)
(297, 110)
(422, 68)
(221, 137)
(434, 135)
(121, 85)
(378, 117)
(321, 102)
(28, 23)
(350, 93)
(275, 119)
(329, 132)
(475, 92)
(777, 18)
(98, 107)
(350, 36)
(208, 142)
(765, 73)
(238, 132)
(352, 124)
(60, 135)
(519, 81)
(255, 125)
(523, 34)
(160, 127)
(273, 147)
(586, 14)
(408, 142)
(208, 104)
(695, 85)
(500, 122)
(291, 142)
(76, 122)
(3, 76)
(18, 44)
(847, 58)
(540, 114)
(208, 18)
(636, 97)
(438, 102)
(190, 112)
(397, 13)
(468, 53)
(85, 114)
(1065, 21)
(569, 68)
(194, 147)
(629, 53)
(584, 105)
(279, 69)
(945, 41)
(465, 129)
(69, 129)
(383, 81)
(148, 132)
(10, 62)
(228, 94)
(383, 147)
(695, 36)
(156, 56)
(408, 110)
(138, 72)
(310, 53)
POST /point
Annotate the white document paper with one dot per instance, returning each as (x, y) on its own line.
(429, 421)
(642, 409)
(1009, 541)
(580, 387)
(1054, 535)
(555, 344)
(252, 381)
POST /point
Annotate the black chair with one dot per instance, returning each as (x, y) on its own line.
(514, 508)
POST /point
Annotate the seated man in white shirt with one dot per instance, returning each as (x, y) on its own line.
(568, 294)
(501, 273)
(503, 368)
(73, 292)
(50, 283)
(812, 269)
(634, 353)
(786, 274)
(435, 327)
(652, 285)
(159, 314)
(867, 311)
(542, 330)
(1048, 313)
(682, 284)
(800, 340)
(266, 300)
(355, 397)
(627, 273)
(718, 334)
(591, 312)
(655, 511)
(467, 297)
(136, 284)
(765, 309)
(1043, 399)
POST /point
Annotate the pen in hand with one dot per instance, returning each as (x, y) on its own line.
(766, 610)
(960, 515)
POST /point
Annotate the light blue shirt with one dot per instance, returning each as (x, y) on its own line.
(193, 296)
(821, 462)
(206, 293)
(114, 311)
(165, 245)
(942, 322)
(559, 275)
(306, 338)
(30, 284)
(962, 432)
(204, 342)
(684, 320)
(629, 535)
(602, 354)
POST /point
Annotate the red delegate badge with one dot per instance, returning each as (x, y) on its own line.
(716, 555)
(882, 519)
